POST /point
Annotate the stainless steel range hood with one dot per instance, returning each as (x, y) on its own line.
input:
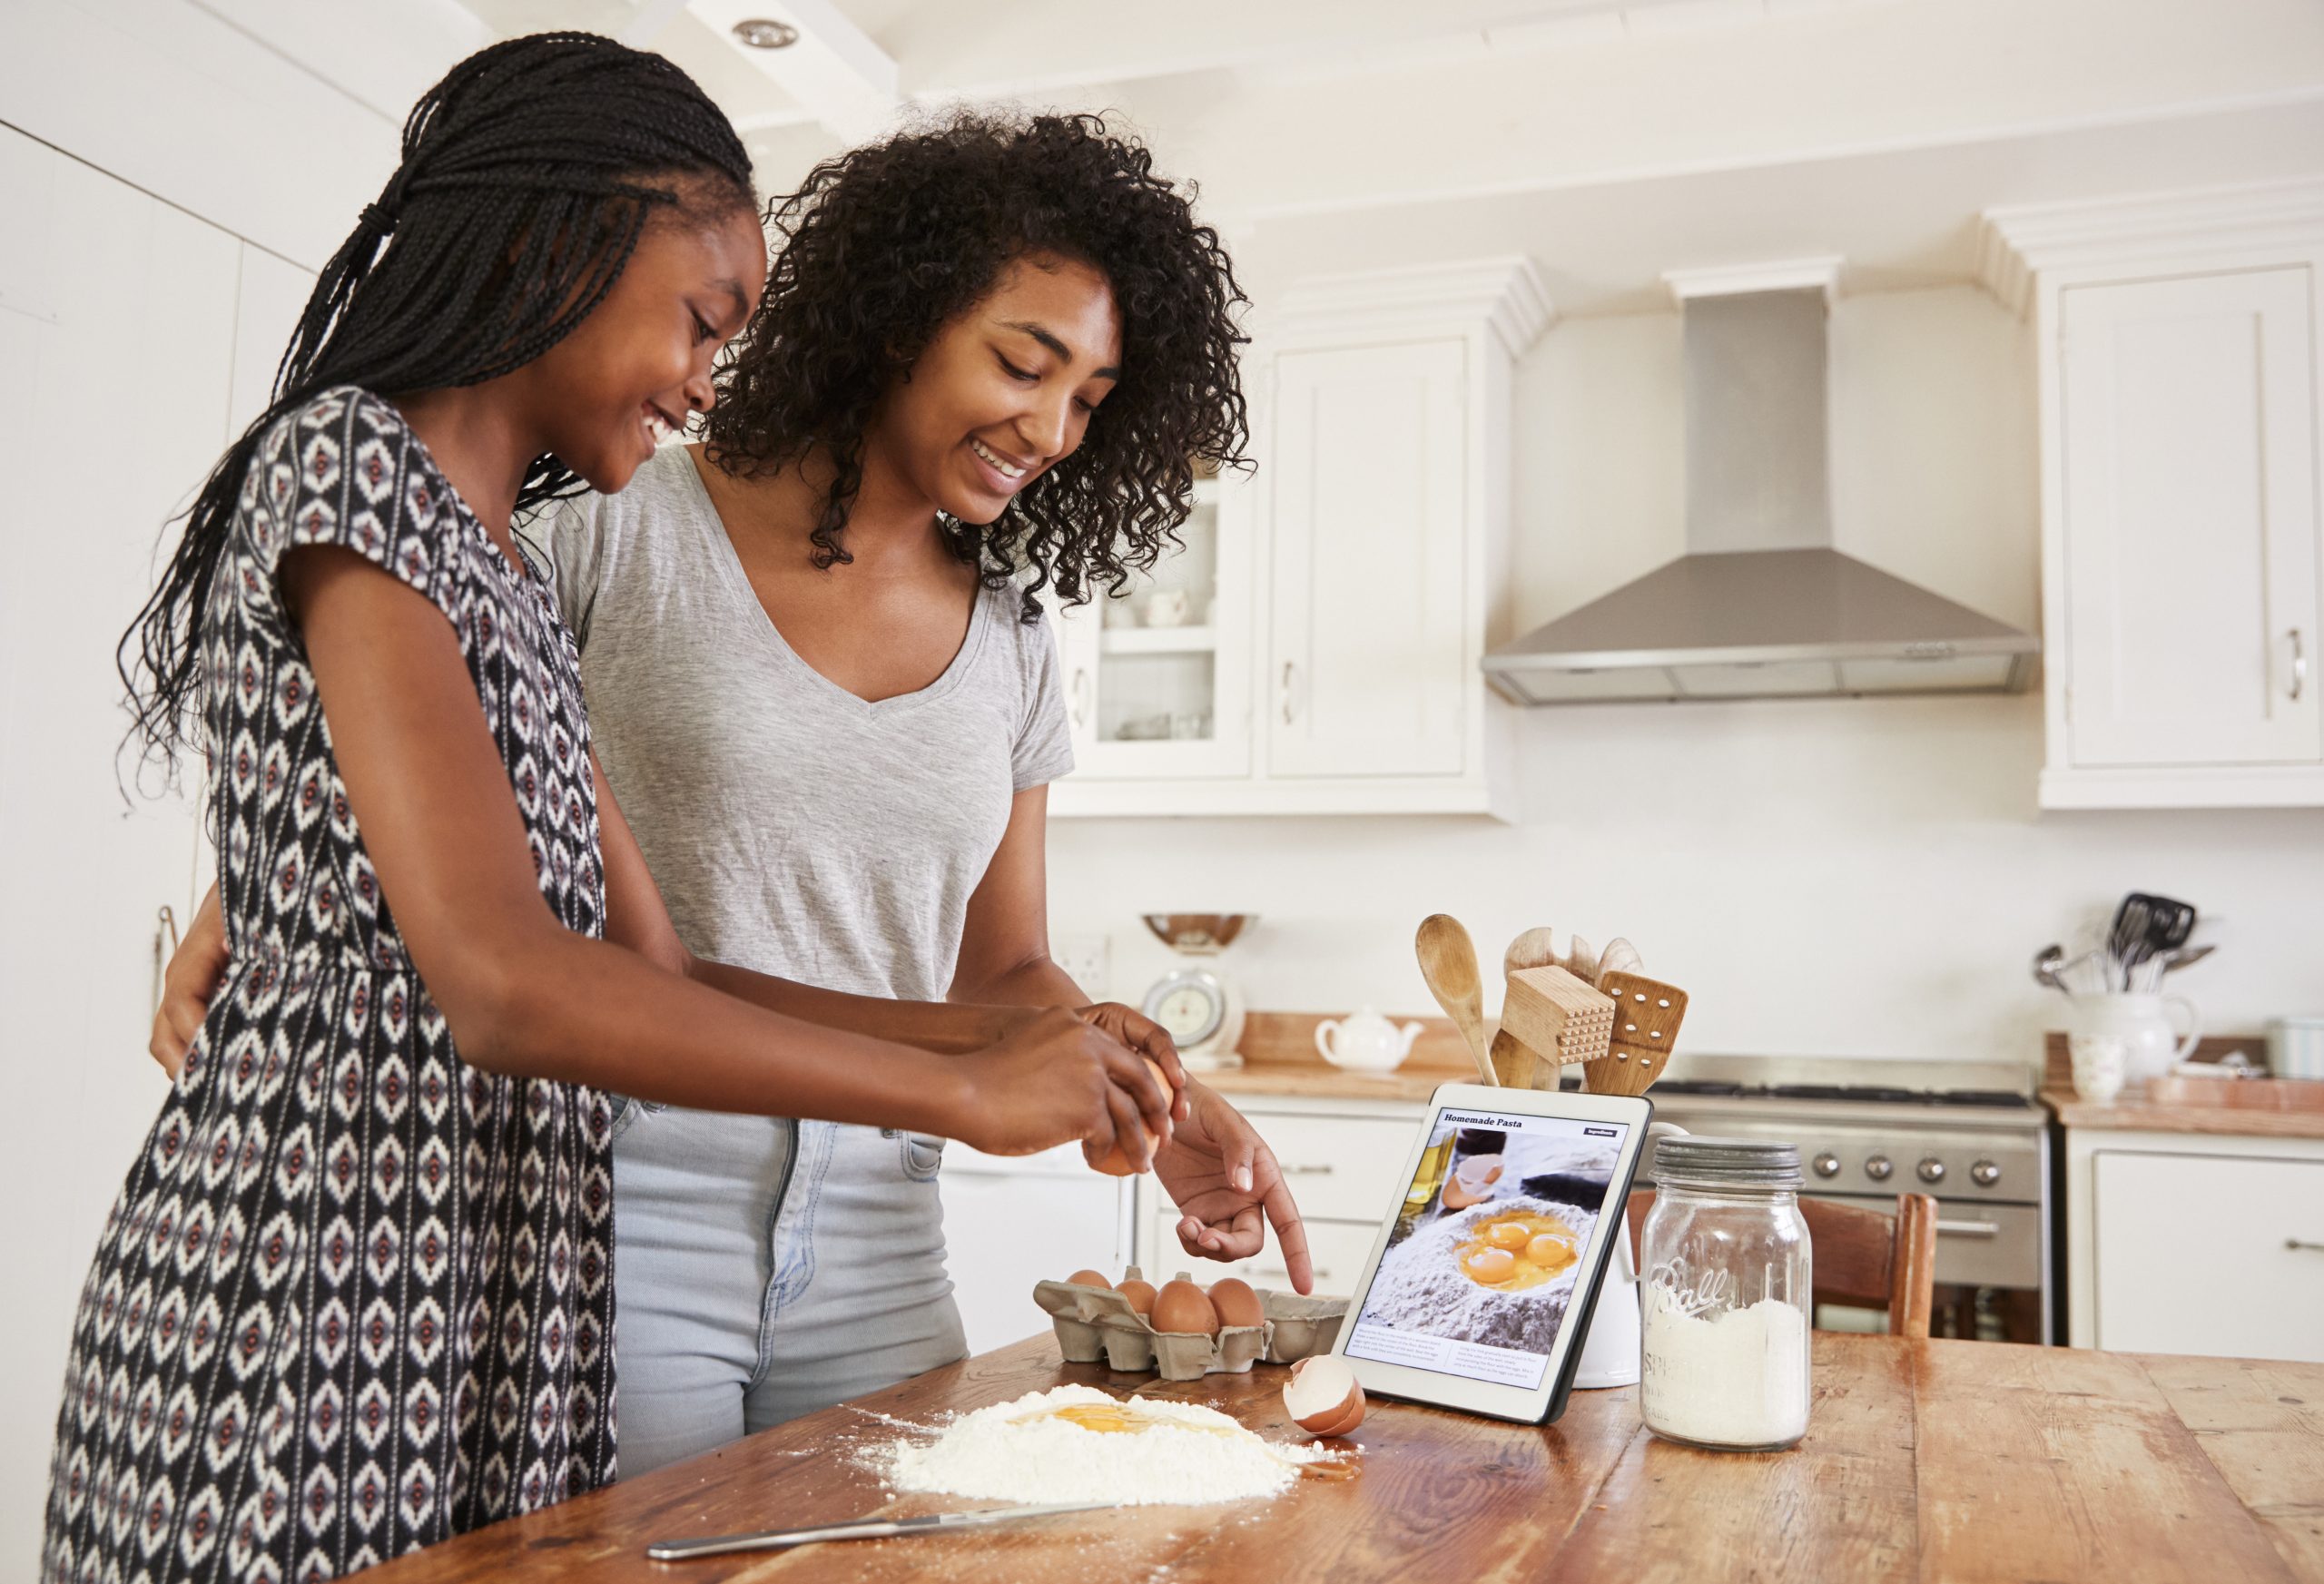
(1761, 604)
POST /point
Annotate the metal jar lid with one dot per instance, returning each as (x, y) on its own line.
(1693, 1161)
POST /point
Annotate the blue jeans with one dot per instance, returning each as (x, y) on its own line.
(765, 1268)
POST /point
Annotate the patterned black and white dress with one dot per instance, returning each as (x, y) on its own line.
(356, 1294)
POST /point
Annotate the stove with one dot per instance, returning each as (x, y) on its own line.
(1970, 1133)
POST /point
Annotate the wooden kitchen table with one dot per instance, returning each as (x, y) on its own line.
(1928, 1460)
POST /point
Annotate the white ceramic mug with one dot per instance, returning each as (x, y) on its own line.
(1166, 607)
(2151, 1046)
(2101, 1063)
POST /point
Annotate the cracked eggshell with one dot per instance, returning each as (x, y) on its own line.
(1323, 1396)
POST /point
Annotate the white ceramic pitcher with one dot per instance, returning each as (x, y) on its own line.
(2143, 1023)
(1610, 1349)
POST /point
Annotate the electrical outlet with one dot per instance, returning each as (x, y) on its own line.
(1088, 959)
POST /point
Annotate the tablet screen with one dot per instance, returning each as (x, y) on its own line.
(1481, 1264)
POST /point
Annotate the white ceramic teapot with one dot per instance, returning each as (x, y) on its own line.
(1364, 1041)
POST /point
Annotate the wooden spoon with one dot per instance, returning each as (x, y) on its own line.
(1448, 961)
(1533, 949)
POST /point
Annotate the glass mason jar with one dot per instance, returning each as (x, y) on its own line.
(1724, 1304)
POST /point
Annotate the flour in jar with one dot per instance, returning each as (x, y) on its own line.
(1728, 1378)
(1077, 1443)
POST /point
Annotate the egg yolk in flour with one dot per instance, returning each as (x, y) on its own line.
(1513, 1252)
(1120, 1418)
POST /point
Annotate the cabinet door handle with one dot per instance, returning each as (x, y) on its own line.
(2298, 665)
(1307, 1171)
(1080, 696)
(165, 943)
(1287, 692)
(2304, 1243)
(1970, 1228)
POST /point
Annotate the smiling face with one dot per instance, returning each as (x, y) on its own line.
(1003, 392)
(639, 366)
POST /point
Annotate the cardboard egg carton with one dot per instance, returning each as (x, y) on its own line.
(1098, 1322)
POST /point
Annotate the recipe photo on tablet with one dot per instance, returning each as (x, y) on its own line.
(1482, 1262)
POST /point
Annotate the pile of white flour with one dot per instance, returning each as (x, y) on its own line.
(1019, 1452)
(1421, 1287)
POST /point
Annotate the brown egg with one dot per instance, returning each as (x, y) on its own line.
(1323, 1396)
(1117, 1162)
(1088, 1279)
(1457, 1195)
(1182, 1306)
(1235, 1303)
(1139, 1294)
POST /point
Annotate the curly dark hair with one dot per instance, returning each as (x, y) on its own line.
(884, 245)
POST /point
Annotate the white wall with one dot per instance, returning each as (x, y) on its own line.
(1830, 877)
(155, 165)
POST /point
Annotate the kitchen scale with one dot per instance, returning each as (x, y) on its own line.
(1201, 1007)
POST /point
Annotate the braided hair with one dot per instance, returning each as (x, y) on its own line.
(528, 174)
(886, 244)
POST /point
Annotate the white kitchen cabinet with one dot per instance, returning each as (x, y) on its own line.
(1010, 1221)
(2188, 423)
(1352, 574)
(2195, 1244)
(118, 318)
(1158, 679)
(2206, 1254)
(1364, 633)
(2183, 550)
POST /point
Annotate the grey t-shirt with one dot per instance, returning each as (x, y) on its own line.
(792, 827)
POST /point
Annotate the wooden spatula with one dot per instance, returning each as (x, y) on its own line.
(1448, 961)
(1646, 1026)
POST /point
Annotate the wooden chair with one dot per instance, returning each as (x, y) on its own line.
(1861, 1256)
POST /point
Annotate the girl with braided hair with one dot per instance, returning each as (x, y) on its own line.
(356, 1292)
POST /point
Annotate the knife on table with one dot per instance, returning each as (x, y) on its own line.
(864, 1529)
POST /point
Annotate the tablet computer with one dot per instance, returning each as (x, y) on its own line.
(1479, 1287)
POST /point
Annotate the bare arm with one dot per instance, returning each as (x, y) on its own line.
(525, 996)
(1217, 1170)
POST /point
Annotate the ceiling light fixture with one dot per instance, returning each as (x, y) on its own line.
(762, 33)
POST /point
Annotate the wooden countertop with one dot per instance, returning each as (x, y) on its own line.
(1278, 1051)
(2251, 1108)
(1922, 1461)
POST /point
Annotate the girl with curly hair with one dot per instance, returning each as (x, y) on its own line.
(990, 352)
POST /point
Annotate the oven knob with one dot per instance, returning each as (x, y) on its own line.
(1877, 1169)
(1932, 1170)
(1828, 1165)
(1984, 1173)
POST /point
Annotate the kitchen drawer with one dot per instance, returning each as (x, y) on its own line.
(1338, 1248)
(1340, 1169)
(2215, 1255)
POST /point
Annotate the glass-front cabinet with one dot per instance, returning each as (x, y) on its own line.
(1157, 678)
